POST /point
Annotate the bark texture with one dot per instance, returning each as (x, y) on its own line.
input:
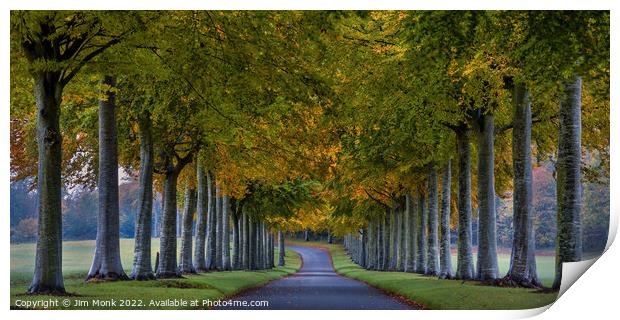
(487, 268)
(421, 233)
(433, 239)
(387, 240)
(569, 242)
(380, 241)
(409, 254)
(281, 248)
(142, 267)
(445, 256)
(167, 267)
(219, 230)
(212, 224)
(200, 262)
(465, 264)
(189, 208)
(402, 239)
(107, 260)
(393, 239)
(235, 264)
(226, 233)
(47, 276)
(246, 241)
(362, 248)
(522, 271)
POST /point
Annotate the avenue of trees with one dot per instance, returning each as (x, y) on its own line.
(498, 92)
(253, 124)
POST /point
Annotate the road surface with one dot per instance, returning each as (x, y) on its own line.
(317, 287)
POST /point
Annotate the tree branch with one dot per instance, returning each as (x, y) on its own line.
(376, 200)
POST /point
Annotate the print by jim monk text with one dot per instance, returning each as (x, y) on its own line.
(136, 303)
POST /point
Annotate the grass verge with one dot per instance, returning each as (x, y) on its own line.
(433, 293)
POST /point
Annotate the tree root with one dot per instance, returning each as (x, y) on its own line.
(46, 290)
(110, 276)
(515, 282)
(189, 271)
(143, 276)
(168, 275)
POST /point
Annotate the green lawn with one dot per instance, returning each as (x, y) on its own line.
(77, 257)
(448, 294)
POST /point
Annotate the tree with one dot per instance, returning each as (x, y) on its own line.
(523, 259)
(107, 260)
(202, 218)
(445, 259)
(212, 223)
(57, 46)
(142, 268)
(433, 238)
(569, 243)
(189, 208)
(487, 268)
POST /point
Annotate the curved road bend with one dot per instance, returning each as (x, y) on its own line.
(317, 287)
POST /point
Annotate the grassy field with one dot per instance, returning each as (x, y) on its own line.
(77, 257)
(448, 294)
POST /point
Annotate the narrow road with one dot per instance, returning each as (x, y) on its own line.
(317, 287)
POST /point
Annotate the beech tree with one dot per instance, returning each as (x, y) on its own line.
(107, 260)
(57, 45)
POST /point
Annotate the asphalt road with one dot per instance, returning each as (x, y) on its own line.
(317, 287)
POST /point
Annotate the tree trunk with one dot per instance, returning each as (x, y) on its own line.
(394, 245)
(445, 257)
(281, 247)
(306, 235)
(226, 232)
(402, 242)
(271, 250)
(219, 230)
(47, 276)
(465, 264)
(107, 260)
(179, 224)
(433, 239)
(387, 240)
(380, 241)
(398, 232)
(189, 207)
(142, 269)
(409, 250)
(265, 246)
(569, 243)
(235, 232)
(362, 248)
(261, 245)
(422, 223)
(246, 241)
(201, 220)
(252, 243)
(370, 257)
(168, 241)
(212, 224)
(522, 270)
(414, 232)
(487, 268)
